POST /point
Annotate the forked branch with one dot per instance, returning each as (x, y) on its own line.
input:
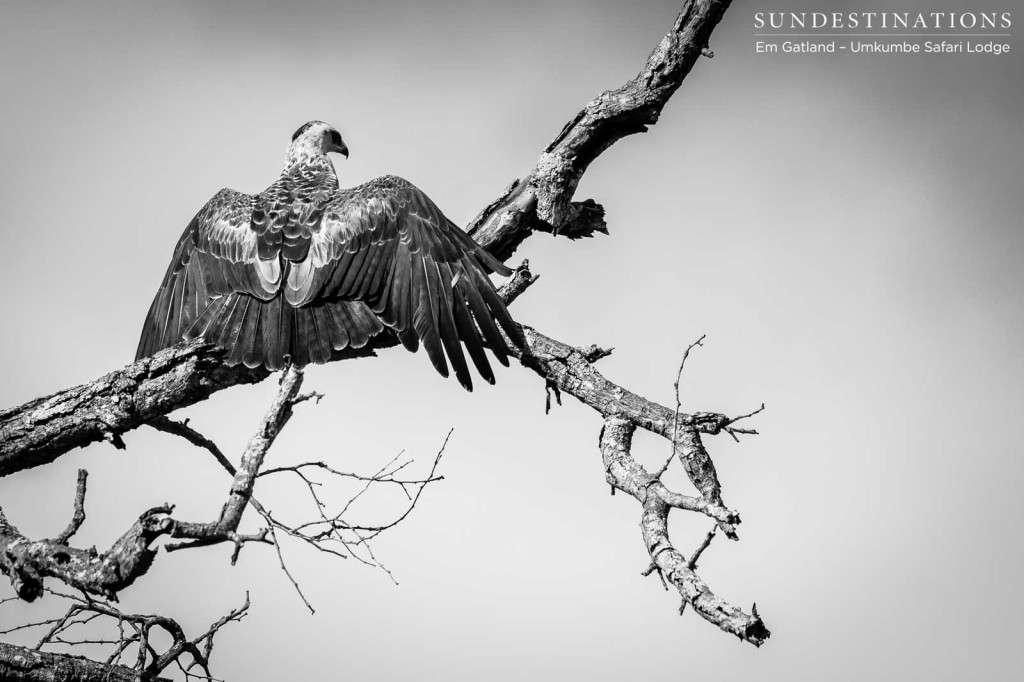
(656, 501)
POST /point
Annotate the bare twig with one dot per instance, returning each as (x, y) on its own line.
(675, 415)
(284, 568)
(185, 431)
(332, 530)
(735, 432)
(692, 563)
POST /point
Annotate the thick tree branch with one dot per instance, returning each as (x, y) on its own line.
(252, 459)
(572, 372)
(543, 199)
(27, 562)
(43, 429)
(624, 473)
(20, 664)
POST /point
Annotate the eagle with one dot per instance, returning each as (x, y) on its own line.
(306, 268)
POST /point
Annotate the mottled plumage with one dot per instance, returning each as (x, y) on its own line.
(304, 268)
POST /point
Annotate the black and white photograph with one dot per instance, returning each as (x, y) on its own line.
(569, 340)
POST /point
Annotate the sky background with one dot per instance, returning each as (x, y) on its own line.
(844, 228)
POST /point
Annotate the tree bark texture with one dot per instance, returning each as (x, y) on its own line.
(20, 664)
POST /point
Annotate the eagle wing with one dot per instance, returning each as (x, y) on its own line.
(216, 256)
(386, 243)
(303, 269)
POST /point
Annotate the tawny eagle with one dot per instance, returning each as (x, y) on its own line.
(305, 267)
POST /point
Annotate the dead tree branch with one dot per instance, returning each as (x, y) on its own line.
(571, 371)
(332, 532)
(41, 430)
(625, 474)
(224, 529)
(79, 516)
(27, 562)
(542, 200)
(21, 664)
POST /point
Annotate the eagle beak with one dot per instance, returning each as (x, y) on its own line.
(343, 150)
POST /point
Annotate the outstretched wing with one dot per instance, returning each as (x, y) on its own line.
(216, 256)
(386, 243)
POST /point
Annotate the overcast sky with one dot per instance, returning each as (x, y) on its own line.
(845, 229)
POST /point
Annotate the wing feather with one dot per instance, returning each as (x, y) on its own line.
(483, 318)
(471, 338)
(215, 256)
(423, 320)
(201, 327)
(497, 308)
(446, 324)
(387, 244)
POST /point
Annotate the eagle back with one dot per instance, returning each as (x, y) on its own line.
(288, 213)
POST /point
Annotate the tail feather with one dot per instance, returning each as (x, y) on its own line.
(320, 350)
(272, 334)
(335, 326)
(363, 324)
(247, 332)
(284, 331)
(299, 343)
(254, 350)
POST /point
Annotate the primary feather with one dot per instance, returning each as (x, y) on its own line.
(306, 268)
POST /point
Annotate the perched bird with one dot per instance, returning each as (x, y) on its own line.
(305, 267)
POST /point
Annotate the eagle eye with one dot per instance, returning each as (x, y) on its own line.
(336, 138)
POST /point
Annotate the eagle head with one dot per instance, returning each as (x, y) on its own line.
(313, 139)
